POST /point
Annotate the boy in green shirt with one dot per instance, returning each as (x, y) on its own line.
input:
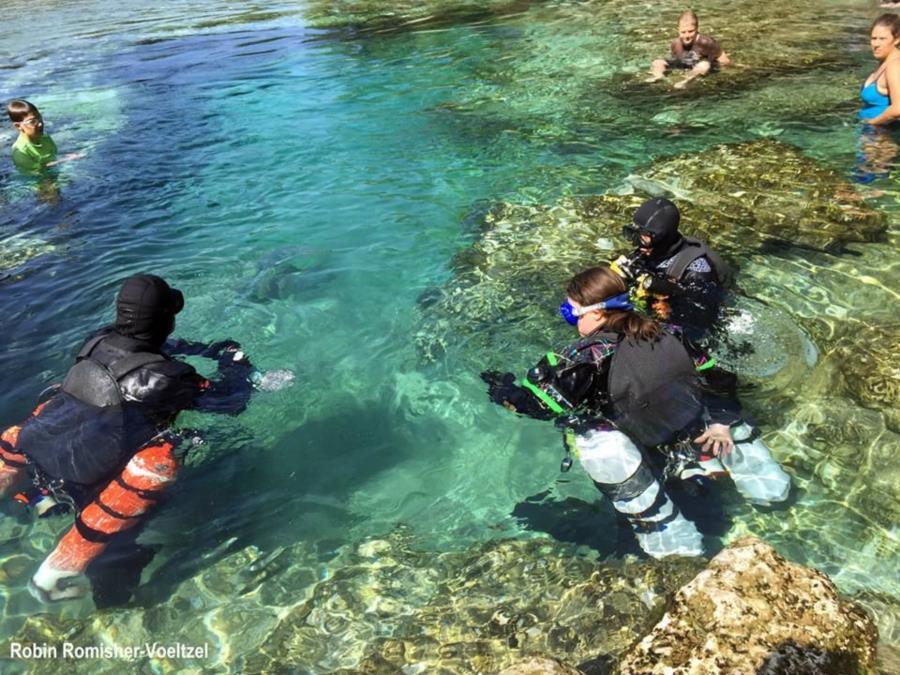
(33, 150)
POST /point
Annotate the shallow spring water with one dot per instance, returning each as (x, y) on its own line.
(306, 176)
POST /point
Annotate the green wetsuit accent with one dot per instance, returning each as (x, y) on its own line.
(706, 366)
(542, 397)
(31, 156)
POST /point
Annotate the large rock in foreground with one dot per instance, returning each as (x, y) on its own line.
(752, 612)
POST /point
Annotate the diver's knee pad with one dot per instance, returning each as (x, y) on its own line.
(756, 474)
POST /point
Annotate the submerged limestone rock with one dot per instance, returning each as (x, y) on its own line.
(742, 196)
(868, 360)
(384, 605)
(751, 612)
(390, 607)
(539, 665)
(382, 16)
(17, 249)
(743, 199)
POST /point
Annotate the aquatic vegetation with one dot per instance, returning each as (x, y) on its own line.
(572, 80)
(867, 358)
(765, 192)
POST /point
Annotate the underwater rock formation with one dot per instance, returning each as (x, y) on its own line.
(381, 16)
(539, 665)
(868, 361)
(518, 265)
(469, 611)
(383, 604)
(751, 611)
(17, 249)
(742, 196)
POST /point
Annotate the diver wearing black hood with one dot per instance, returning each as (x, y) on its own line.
(683, 270)
(101, 444)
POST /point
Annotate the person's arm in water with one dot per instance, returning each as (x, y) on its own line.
(555, 386)
(229, 391)
(721, 402)
(712, 53)
(69, 157)
(892, 77)
(659, 66)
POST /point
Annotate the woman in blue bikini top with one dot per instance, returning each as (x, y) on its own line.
(883, 84)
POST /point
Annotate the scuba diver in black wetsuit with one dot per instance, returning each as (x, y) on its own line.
(630, 386)
(680, 278)
(101, 445)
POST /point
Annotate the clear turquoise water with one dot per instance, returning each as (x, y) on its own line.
(304, 188)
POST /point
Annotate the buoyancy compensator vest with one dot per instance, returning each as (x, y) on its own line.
(654, 390)
(88, 429)
(697, 248)
(651, 390)
(94, 379)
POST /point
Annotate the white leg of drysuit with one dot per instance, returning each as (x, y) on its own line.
(756, 474)
(611, 458)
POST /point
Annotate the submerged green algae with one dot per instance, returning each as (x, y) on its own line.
(571, 79)
(382, 16)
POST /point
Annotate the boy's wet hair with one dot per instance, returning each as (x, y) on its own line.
(18, 109)
(689, 14)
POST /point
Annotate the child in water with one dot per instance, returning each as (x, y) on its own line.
(691, 51)
(33, 150)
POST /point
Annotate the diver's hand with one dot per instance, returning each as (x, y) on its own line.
(716, 439)
(503, 390)
(499, 385)
(215, 349)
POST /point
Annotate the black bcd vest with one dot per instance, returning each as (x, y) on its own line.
(86, 432)
(653, 388)
(696, 248)
(94, 379)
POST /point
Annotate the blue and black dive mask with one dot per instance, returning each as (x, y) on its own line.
(571, 314)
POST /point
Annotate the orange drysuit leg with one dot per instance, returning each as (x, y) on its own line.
(118, 507)
(12, 461)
